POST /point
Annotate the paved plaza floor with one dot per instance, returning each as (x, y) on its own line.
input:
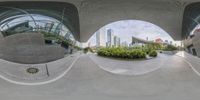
(47, 72)
(129, 67)
(174, 80)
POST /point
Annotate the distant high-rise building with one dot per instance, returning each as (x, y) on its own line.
(101, 38)
(124, 44)
(110, 37)
(147, 38)
(116, 41)
(98, 38)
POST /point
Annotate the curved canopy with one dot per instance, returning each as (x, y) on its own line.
(191, 18)
(64, 12)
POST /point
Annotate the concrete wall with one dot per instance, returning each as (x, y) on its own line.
(29, 48)
(23, 39)
(96, 13)
(32, 54)
(167, 14)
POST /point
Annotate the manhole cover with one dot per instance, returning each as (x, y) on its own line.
(32, 70)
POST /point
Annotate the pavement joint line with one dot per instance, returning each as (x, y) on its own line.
(102, 67)
(47, 70)
(191, 66)
(45, 82)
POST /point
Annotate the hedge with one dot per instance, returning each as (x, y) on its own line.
(170, 48)
(153, 53)
(87, 49)
(122, 53)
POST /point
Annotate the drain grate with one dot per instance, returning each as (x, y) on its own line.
(32, 70)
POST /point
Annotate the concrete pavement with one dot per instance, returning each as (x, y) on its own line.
(129, 67)
(47, 72)
(175, 80)
(193, 61)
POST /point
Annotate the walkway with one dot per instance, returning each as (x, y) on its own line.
(175, 80)
(129, 67)
(48, 72)
(192, 60)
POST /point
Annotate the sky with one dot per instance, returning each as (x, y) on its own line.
(125, 29)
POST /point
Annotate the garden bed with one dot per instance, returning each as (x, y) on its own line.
(125, 53)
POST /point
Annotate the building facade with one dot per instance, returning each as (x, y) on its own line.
(101, 37)
(116, 41)
(124, 44)
(110, 38)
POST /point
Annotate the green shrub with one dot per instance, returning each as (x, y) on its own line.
(87, 49)
(170, 48)
(154, 46)
(122, 53)
(153, 53)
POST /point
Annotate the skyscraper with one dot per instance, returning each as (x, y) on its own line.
(119, 42)
(110, 37)
(101, 37)
(124, 44)
(98, 38)
(116, 41)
